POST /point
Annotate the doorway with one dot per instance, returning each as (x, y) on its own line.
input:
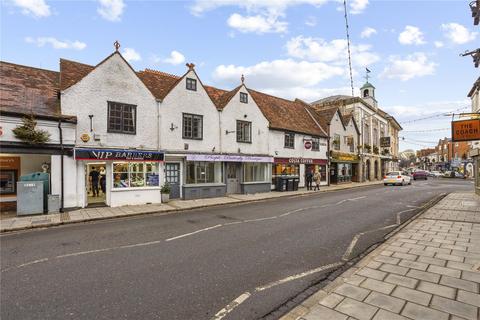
(172, 177)
(233, 178)
(96, 184)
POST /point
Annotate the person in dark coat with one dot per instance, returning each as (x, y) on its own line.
(309, 178)
(94, 177)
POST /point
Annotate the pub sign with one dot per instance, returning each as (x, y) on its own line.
(384, 142)
(466, 130)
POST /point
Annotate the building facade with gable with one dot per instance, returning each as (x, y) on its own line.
(474, 153)
(377, 129)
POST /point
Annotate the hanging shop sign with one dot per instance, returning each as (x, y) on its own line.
(308, 144)
(384, 142)
(340, 156)
(300, 161)
(228, 158)
(466, 130)
(122, 155)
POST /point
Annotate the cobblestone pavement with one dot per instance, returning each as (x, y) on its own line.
(429, 270)
(99, 213)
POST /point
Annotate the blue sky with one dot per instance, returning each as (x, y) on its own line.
(289, 48)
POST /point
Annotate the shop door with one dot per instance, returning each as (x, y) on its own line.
(233, 180)
(172, 177)
(95, 183)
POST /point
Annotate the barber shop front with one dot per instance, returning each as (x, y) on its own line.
(108, 177)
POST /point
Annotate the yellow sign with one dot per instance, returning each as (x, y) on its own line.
(340, 156)
(85, 137)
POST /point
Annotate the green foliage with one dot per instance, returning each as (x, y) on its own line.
(27, 132)
(375, 149)
(165, 188)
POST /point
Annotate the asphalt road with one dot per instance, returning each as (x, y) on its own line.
(193, 264)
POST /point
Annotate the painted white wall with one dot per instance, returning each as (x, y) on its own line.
(134, 197)
(115, 81)
(236, 110)
(8, 123)
(277, 143)
(70, 178)
(179, 101)
(336, 127)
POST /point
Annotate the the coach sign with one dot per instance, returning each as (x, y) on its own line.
(466, 130)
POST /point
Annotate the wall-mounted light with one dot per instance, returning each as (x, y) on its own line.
(213, 149)
(173, 127)
(276, 153)
(227, 132)
(245, 116)
(91, 122)
(239, 150)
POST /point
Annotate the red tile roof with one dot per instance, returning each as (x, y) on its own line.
(285, 114)
(71, 72)
(28, 90)
(159, 83)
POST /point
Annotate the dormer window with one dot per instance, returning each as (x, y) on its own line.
(191, 84)
(243, 97)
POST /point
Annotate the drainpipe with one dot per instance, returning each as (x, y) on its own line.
(62, 201)
(329, 157)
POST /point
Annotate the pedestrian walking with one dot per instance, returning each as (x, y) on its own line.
(94, 175)
(309, 178)
(316, 179)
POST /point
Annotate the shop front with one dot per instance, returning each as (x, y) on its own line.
(344, 167)
(296, 169)
(113, 177)
(214, 175)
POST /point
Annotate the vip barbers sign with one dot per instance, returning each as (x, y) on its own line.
(466, 130)
(120, 155)
(384, 142)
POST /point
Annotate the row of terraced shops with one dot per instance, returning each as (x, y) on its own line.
(116, 136)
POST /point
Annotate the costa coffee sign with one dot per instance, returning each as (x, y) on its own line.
(300, 161)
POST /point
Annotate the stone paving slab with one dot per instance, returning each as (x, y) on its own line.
(429, 270)
(99, 213)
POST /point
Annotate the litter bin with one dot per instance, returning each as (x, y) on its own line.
(53, 203)
(295, 183)
(281, 184)
(290, 184)
(45, 178)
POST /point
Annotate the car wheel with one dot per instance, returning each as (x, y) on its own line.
(410, 182)
(403, 182)
(385, 184)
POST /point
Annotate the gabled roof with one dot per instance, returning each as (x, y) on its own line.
(286, 115)
(476, 86)
(221, 97)
(72, 72)
(159, 83)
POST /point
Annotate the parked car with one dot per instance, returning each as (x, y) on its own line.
(448, 174)
(459, 175)
(435, 174)
(397, 178)
(419, 174)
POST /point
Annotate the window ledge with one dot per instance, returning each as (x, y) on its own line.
(257, 182)
(134, 189)
(204, 185)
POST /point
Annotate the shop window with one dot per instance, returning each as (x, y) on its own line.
(191, 84)
(243, 97)
(135, 174)
(315, 144)
(336, 142)
(255, 172)
(289, 140)
(244, 131)
(122, 118)
(199, 172)
(192, 126)
(8, 182)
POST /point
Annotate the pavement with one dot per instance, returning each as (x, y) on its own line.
(428, 270)
(101, 213)
(244, 260)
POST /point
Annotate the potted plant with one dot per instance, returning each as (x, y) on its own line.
(165, 192)
(375, 149)
(367, 147)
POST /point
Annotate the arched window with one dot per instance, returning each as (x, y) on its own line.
(365, 93)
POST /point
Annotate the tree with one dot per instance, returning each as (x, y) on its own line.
(27, 132)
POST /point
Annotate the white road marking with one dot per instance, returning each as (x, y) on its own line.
(32, 262)
(232, 305)
(194, 232)
(355, 239)
(410, 206)
(298, 276)
(358, 198)
(399, 221)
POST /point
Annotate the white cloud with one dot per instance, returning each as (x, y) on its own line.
(414, 65)
(438, 44)
(457, 33)
(358, 6)
(56, 44)
(335, 51)
(257, 23)
(36, 8)
(175, 58)
(111, 10)
(368, 32)
(411, 35)
(131, 55)
(311, 21)
(277, 74)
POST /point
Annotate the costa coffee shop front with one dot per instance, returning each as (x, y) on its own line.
(298, 168)
(124, 177)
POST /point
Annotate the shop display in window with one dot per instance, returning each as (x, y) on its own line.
(135, 174)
